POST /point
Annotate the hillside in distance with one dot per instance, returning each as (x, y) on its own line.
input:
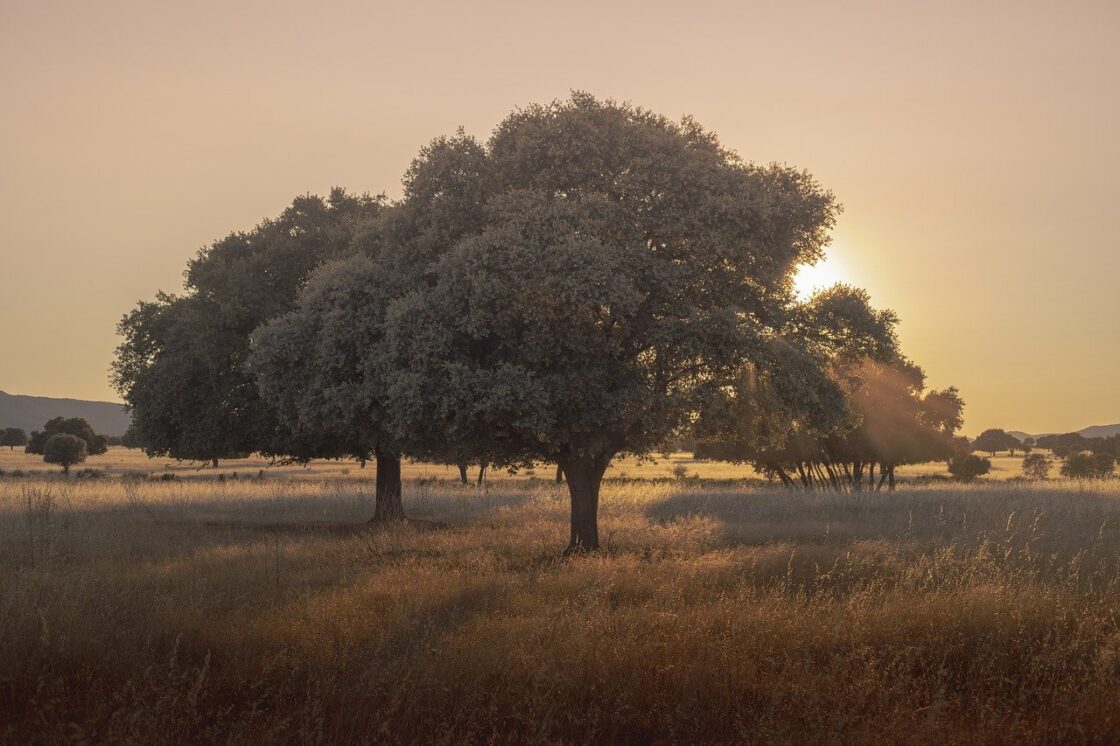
(1094, 431)
(31, 412)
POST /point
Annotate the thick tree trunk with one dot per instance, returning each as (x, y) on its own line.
(387, 505)
(463, 472)
(481, 473)
(584, 475)
(214, 462)
(890, 478)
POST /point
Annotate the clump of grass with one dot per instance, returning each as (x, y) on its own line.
(221, 611)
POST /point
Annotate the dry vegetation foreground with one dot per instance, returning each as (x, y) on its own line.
(267, 611)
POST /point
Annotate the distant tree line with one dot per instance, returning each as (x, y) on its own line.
(1082, 458)
(593, 280)
(63, 440)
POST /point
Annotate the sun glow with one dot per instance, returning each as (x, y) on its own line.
(810, 278)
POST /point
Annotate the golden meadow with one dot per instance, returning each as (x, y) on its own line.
(264, 609)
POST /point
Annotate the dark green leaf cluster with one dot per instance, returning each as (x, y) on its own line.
(76, 426)
(65, 450)
(182, 367)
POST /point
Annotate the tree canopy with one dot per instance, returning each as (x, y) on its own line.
(12, 437)
(595, 279)
(621, 265)
(993, 440)
(181, 367)
(65, 450)
(76, 426)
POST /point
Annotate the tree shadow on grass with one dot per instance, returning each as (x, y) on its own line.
(169, 529)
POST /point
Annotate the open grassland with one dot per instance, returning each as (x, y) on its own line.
(119, 461)
(268, 611)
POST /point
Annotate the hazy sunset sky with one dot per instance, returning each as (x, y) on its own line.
(975, 147)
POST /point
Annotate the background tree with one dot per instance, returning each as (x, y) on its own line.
(76, 426)
(1064, 444)
(870, 411)
(623, 263)
(1037, 466)
(1088, 465)
(12, 437)
(323, 367)
(131, 437)
(993, 440)
(65, 450)
(181, 367)
(968, 467)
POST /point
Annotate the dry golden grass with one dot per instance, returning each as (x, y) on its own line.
(268, 611)
(123, 460)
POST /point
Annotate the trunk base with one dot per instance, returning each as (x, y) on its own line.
(387, 501)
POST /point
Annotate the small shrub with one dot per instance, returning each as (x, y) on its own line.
(968, 468)
(1037, 466)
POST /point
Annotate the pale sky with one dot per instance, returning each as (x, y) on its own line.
(975, 147)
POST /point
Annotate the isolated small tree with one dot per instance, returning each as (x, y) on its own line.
(65, 450)
(969, 467)
(1037, 466)
(12, 437)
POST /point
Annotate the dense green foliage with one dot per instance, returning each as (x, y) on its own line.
(593, 280)
(621, 265)
(65, 450)
(181, 368)
(76, 426)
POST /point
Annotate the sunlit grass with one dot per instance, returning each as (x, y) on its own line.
(198, 610)
(661, 466)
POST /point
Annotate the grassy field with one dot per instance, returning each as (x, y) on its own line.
(120, 461)
(268, 611)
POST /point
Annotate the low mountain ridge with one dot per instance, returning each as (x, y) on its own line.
(1093, 431)
(31, 412)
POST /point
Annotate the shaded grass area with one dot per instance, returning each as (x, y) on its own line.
(234, 612)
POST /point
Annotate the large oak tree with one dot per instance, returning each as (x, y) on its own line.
(623, 263)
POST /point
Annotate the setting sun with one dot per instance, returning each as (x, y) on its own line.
(813, 277)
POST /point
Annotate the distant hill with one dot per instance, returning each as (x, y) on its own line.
(1096, 431)
(30, 412)
(1100, 431)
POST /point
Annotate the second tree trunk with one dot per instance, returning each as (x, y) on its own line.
(387, 500)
